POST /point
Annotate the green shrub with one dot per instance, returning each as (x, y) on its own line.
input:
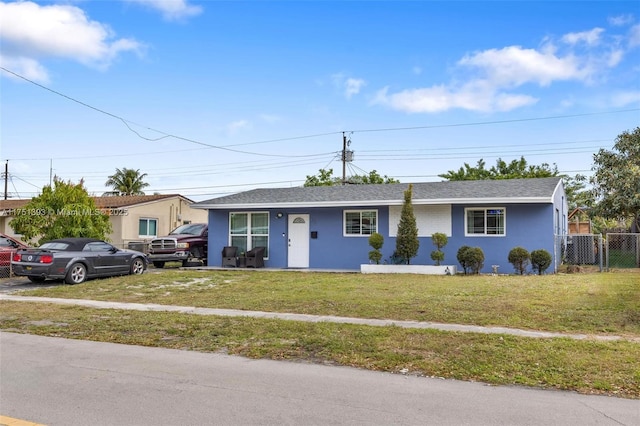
(407, 242)
(439, 240)
(437, 256)
(376, 241)
(471, 259)
(540, 260)
(519, 257)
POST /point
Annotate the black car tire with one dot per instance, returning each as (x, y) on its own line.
(158, 264)
(77, 274)
(137, 266)
(37, 279)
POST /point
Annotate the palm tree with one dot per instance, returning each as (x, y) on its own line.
(126, 182)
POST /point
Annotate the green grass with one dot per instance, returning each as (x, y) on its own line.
(622, 259)
(585, 366)
(604, 303)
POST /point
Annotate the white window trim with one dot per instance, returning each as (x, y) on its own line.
(344, 222)
(485, 235)
(268, 234)
(147, 219)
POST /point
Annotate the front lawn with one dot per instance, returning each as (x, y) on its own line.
(602, 303)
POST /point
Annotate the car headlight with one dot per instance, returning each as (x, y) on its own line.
(183, 245)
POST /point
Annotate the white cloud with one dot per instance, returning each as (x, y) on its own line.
(416, 70)
(590, 38)
(235, 126)
(353, 86)
(618, 21)
(474, 97)
(30, 32)
(634, 36)
(26, 67)
(172, 10)
(349, 85)
(622, 99)
(488, 79)
(514, 66)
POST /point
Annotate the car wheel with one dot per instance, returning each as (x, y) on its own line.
(158, 264)
(36, 279)
(77, 274)
(137, 266)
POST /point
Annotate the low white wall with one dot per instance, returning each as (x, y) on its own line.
(409, 269)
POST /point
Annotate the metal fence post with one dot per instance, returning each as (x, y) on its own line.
(600, 247)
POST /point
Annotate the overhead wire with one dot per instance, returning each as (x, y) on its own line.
(366, 155)
(164, 134)
(227, 147)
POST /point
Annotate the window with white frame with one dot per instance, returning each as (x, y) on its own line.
(360, 222)
(147, 227)
(485, 221)
(249, 230)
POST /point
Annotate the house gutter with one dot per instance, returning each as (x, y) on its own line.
(374, 203)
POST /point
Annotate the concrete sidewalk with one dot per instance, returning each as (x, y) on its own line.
(312, 318)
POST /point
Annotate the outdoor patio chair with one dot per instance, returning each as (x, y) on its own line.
(255, 258)
(230, 256)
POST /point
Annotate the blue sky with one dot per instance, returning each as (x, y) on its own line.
(214, 97)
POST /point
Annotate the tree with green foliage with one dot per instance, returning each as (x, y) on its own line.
(371, 179)
(126, 182)
(471, 259)
(516, 169)
(439, 240)
(376, 241)
(519, 257)
(616, 178)
(326, 178)
(574, 186)
(407, 243)
(540, 260)
(577, 193)
(64, 210)
(323, 178)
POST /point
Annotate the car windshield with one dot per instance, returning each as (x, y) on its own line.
(188, 229)
(5, 242)
(54, 246)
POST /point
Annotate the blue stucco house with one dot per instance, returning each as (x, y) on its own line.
(327, 227)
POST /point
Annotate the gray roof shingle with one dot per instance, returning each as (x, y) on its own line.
(539, 190)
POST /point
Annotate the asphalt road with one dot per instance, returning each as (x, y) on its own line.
(72, 382)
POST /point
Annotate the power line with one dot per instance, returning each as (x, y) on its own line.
(483, 123)
(128, 124)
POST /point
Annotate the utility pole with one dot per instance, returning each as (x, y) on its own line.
(347, 156)
(344, 161)
(6, 179)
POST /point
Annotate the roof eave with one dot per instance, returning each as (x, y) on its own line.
(373, 203)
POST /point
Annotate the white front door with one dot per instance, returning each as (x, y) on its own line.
(298, 252)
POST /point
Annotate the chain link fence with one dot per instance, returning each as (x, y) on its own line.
(588, 252)
(575, 252)
(622, 250)
(5, 263)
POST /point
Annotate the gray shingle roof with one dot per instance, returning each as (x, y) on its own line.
(538, 190)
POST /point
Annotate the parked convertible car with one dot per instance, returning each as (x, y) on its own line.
(76, 260)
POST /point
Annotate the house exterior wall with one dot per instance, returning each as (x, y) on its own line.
(528, 225)
(6, 228)
(169, 213)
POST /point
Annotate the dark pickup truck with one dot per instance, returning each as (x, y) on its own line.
(184, 244)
